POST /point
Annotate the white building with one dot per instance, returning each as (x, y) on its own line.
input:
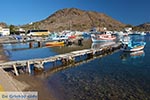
(4, 31)
(128, 29)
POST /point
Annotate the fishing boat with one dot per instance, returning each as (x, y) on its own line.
(102, 37)
(54, 43)
(57, 37)
(134, 46)
(132, 43)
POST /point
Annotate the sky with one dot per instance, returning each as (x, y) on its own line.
(19, 12)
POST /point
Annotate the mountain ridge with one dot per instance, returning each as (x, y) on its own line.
(143, 27)
(80, 20)
(76, 19)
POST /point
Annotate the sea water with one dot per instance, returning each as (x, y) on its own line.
(119, 76)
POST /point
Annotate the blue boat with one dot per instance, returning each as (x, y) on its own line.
(133, 46)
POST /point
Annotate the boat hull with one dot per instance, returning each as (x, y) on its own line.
(138, 48)
(54, 44)
(134, 46)
(102, 38)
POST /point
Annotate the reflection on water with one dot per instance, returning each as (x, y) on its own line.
(119, 76)
(29, 53)
(21, 51)
(18, 46)
(101, 44)
(105, 78)
(137, 53)
(133, 57)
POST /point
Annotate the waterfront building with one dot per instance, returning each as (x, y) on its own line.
(128, 29)
(4, 31)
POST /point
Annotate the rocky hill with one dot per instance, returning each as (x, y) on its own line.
(143, 27)
(76, 19)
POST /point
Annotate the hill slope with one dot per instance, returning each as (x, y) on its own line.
(76, 19)
(143, 27)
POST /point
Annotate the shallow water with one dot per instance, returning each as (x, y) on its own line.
(22, 51)
(119, 76)
(29, 53)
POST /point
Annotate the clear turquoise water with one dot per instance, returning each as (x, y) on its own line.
(119, 76)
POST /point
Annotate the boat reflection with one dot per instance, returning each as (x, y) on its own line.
(101, 44)
(137, 54)
(133, 57)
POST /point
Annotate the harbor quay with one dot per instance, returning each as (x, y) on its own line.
(8, 83)
(66, 59)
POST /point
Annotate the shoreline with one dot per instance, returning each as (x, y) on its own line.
(23, 82)
(36, 84)
(26, 82)
(39, 84)
(3, 57)
(8, 83)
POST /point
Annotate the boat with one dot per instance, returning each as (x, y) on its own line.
(125, 39)
(134, 46)
(102, 37)
(138, 33)
(54, 43)
(72, 37)
(132, 43)
(57, 37)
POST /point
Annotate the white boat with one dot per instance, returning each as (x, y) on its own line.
(125, 39)
(56, 37)
(138, 33)
(102, 37)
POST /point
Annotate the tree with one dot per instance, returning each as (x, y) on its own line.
(12, 29)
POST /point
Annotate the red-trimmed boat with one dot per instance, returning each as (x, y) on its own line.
(102, 37)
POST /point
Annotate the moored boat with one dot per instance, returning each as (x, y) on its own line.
(134, 46)
(57, 37)
(54, 43)
(102, 37)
